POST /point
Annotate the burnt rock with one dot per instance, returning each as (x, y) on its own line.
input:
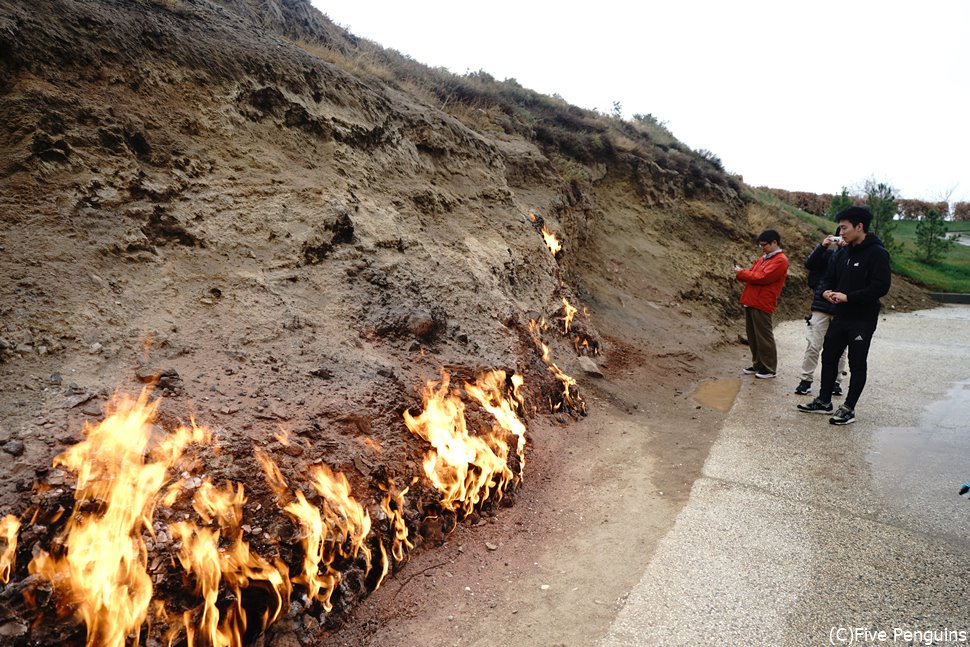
(14, 447)
(420, 323)
(338, 230)
(163, 228)
(323, 372)
(50, 150)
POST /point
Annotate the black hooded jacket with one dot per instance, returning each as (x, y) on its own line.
(817, 265)
(862, 272)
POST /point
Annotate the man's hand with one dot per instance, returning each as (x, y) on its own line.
(835, 297)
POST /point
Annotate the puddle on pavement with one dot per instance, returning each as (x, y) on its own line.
(917, 471)
(718, 394)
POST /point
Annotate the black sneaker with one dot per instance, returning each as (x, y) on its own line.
(764, 375)
(804, 388)
(751, 370)
(837, 390)
(816, 407)
(843, 416)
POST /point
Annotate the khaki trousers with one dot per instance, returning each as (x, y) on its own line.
(818, 325)
(761, 339)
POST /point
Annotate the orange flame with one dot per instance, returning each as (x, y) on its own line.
(537, 327)
(489, 390)
(103, 569)
(568, 312)
(393, 507)
(466, 470)
(551, 241)
(340, 529)
(349, 522)
(567, 381)
(235, 568)
(9, 526)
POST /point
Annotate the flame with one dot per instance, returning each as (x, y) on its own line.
(537, 327)
(568, 312)
(489, 390)
(551, 241)
(393, 507)
(465, 469)
(349, 522)
(570, 393)
(9, 526)
(567, 381)
(102, 569)
(235, 569)
(282, 437)
(340, 529)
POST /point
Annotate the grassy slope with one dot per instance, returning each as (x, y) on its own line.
(952, 274)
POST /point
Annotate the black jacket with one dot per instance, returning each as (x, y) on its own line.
(817, 264)
(863, 273)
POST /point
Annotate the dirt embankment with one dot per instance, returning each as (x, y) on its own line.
(287, 252)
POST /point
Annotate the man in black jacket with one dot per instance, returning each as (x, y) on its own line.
(817, 263)
(855, 282)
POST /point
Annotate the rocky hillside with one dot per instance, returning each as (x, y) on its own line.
(220, 202)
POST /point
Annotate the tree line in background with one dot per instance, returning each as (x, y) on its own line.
(819, 203)
(931, 241)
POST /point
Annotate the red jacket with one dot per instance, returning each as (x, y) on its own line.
(764, 280)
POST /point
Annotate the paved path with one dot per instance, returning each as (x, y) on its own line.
(804, 533)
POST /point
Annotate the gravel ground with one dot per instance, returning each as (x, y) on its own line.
(804, 533)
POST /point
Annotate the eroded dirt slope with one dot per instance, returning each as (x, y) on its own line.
(287, 252)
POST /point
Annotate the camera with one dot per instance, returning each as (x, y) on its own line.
(837, 240)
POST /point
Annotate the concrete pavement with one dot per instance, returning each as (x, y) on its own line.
(804, 533)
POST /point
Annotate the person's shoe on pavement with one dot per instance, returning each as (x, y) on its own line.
(843, 416)
(816, 406)
(804, 387)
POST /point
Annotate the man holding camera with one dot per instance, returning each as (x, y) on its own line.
(860, 276)
(764, 280)
(817, 264)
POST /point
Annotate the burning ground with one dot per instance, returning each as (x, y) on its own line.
(271, 324)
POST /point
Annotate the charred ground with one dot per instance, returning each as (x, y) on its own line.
(212, 199)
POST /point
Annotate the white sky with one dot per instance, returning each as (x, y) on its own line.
(806, 96)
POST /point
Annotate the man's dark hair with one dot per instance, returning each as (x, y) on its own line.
(769, 235)
(856, 215)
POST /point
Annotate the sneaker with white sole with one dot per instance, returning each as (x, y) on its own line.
(843, 416)
(804, 388)
(837, 390)
(751, 370)
(765, 375)
(816, 406)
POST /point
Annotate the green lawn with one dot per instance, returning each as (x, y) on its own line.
(952, 274)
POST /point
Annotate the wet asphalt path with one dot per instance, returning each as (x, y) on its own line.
(803, 533)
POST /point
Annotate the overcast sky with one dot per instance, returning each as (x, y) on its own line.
(808, 96)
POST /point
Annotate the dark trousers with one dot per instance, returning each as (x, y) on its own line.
(856, 336)
(761, 340)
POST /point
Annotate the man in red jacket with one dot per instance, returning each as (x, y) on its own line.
(763, 282)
